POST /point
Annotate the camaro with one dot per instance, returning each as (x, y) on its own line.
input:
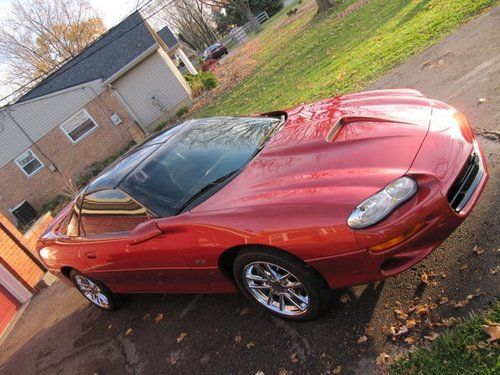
(284, 206)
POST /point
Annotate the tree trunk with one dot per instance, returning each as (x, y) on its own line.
(324, 5)
(253, 21)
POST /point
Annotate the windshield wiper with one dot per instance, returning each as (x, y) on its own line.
(204, 189)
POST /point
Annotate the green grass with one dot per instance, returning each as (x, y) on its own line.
(315, 57)
(450, 353)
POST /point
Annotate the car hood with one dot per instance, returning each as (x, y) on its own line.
(380, 135)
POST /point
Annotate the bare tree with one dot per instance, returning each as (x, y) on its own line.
(324, 5)
(242, 6)
(191, 20)
(38, 35)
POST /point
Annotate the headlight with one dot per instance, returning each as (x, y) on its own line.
(380, 205)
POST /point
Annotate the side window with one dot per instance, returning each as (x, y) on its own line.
(110, 211)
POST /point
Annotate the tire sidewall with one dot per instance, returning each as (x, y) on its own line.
(109, 294)
(314, 285)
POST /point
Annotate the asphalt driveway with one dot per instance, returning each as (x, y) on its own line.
(60, 333)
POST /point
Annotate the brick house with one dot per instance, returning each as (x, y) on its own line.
(110, 94)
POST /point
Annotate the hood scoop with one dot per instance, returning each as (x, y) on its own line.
(342, 120)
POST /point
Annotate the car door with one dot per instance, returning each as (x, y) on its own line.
(117, 257)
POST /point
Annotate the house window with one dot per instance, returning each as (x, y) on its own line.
(79, 126)
(29, 163)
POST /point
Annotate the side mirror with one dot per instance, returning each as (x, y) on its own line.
(144, 232)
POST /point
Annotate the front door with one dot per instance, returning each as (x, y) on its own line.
(156, 265)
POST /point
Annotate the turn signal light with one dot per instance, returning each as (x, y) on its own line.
(397, 240)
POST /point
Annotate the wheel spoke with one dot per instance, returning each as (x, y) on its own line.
(261, 270)
(260, 286)
(299, 297)
(284, 277)
(270, 297)
(289, 297)
(273, 273)
(255, 277)
(282, 302)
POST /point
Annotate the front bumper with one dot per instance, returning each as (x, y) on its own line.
(429, 211)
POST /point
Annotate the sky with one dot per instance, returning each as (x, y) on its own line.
(111, 12)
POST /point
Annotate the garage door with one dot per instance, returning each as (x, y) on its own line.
(8, 308)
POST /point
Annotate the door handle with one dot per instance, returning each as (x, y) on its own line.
(91, 255)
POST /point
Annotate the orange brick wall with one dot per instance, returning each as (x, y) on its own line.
(70, 159)
(15, 257)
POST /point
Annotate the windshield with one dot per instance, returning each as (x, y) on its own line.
(205, 152)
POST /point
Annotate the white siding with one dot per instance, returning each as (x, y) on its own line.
(38, 117)
(152, 88)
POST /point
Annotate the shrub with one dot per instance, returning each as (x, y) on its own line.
(208, 80)
(55, 204)
(182, 111)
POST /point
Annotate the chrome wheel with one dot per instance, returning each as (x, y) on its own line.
(276, 288)
(92, 291)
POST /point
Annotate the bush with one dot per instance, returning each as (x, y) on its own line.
(182, 111)
(208, 80)
(200, 82)
(55, 204)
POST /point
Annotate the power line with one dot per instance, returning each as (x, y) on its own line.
(63, 62)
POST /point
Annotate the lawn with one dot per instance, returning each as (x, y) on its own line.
(463, 350)
(311, 57)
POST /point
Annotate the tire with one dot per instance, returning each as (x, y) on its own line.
(300, 296)
(109, 300)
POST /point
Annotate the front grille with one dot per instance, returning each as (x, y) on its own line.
(466, 183)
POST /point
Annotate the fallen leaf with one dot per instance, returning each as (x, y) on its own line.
(244, 311)
(410, 323)
(181, 337)
(128, 331)
(260, 373)
(383, 359)
(362, 339)
(409, 340)
(250, 345)
(478, 250)
(450, 321)
(337, 370)
(464, 267)
(158, 317)
(481, 100)
(432, 336)
(495, 270)
(174, 357)
(422, 309)
(493, 331)
(443, 300)
(344, 298)
(294, 358)
(237, 339)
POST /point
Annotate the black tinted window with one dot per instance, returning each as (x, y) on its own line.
(114, 174)
(110, 211)
(204, 152)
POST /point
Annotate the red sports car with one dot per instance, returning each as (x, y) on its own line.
(284, 206)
